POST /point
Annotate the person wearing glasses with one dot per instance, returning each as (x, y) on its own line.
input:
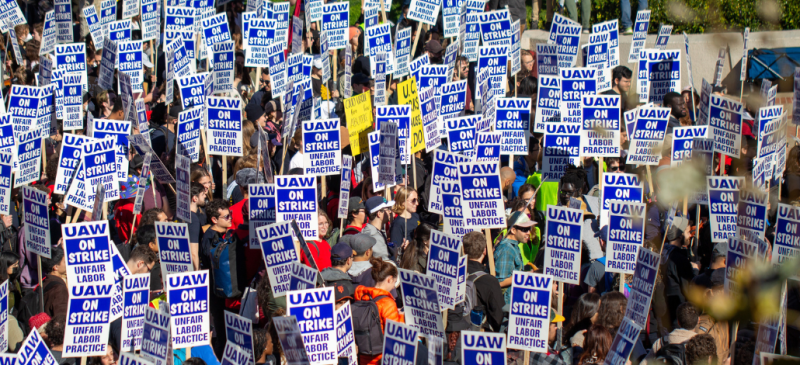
(407, 219)
(507, 256)
(254, 107)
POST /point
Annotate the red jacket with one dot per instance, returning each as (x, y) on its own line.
(387, 309)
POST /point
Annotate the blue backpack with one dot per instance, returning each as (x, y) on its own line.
(224, 266)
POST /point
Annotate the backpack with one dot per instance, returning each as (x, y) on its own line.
(367, 326)
(33, 305)
(471, 312)
(224, 265)
(671, 353)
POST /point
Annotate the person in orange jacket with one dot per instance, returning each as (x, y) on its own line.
(385, 275)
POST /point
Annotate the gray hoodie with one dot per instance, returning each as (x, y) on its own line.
(380, 249)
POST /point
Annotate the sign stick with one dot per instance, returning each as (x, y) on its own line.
(490, 251)
(323, 187)
(414, 170)
(188, 352)
(77, 214)
(649, 180)
(335, 71)
(133, 224)
(622, 283)
(257, 82)
(416, 39)
(510, 187)
(560, 306)
(39, 267)
(224, 172)
(722, 165)
(205, 146)
(601, 164)
(153, 52)
(83, 360)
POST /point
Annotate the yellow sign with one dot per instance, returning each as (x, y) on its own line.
(358, 111)
(408, 96)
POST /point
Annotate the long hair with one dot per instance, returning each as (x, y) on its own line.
(582, 314)
(416, 247)
(382, 269)
(400, 199)
(611, 311)
(7, 258)
(596, 344)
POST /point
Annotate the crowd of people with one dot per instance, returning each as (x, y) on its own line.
(389, 230)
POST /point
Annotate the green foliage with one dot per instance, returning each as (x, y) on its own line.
(700, 16)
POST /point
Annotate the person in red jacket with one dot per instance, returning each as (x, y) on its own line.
(123, 210)
(385, 275)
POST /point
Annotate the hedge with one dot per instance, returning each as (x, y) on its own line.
(700, 16)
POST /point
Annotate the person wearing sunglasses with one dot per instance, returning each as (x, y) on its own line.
(405, 206)
(507, 255)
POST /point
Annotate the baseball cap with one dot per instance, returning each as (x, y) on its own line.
(318, 64)
(361, 243)
(602, 233)
(520, 219)
(355, 204)
(555, 317)
(360, 79)
(341, 251)
(375, 204)
(679, 225)
(246, 177)
(720, 250)
(434, 47)
(343, 291)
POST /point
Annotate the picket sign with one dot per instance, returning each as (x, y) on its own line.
(315, 310)
(188, 297)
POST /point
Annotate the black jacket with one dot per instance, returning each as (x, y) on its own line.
(487, 289)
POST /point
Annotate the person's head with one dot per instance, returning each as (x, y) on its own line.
(384, 273)
(527, 60)
(201, 176)
(621, 76)
(675, 102)
(419, 246)
(153, 215)
(198, 193)
(342, 256)
(687, 316)
(361, 83)
(118, 111)
(377, 209)
(146, 237)
(405, 200)
(525, 193)
(324, 224)
(614, 165)
(194, 361)
(474, 244)
(55, 265)
(678, 233)
(585, 309)
(596, 344)
(356, 213)
(719, 255)
(361, 244)
(262, 344)
(555, 319)
(572, 184)
(9, 266)
(218, 214)
(265, 80)
(519, 227)
(55, 330)
(434, 50)
(142, 260)
(743, 351)
(612, 310)
(507, 177)
(701, 350)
